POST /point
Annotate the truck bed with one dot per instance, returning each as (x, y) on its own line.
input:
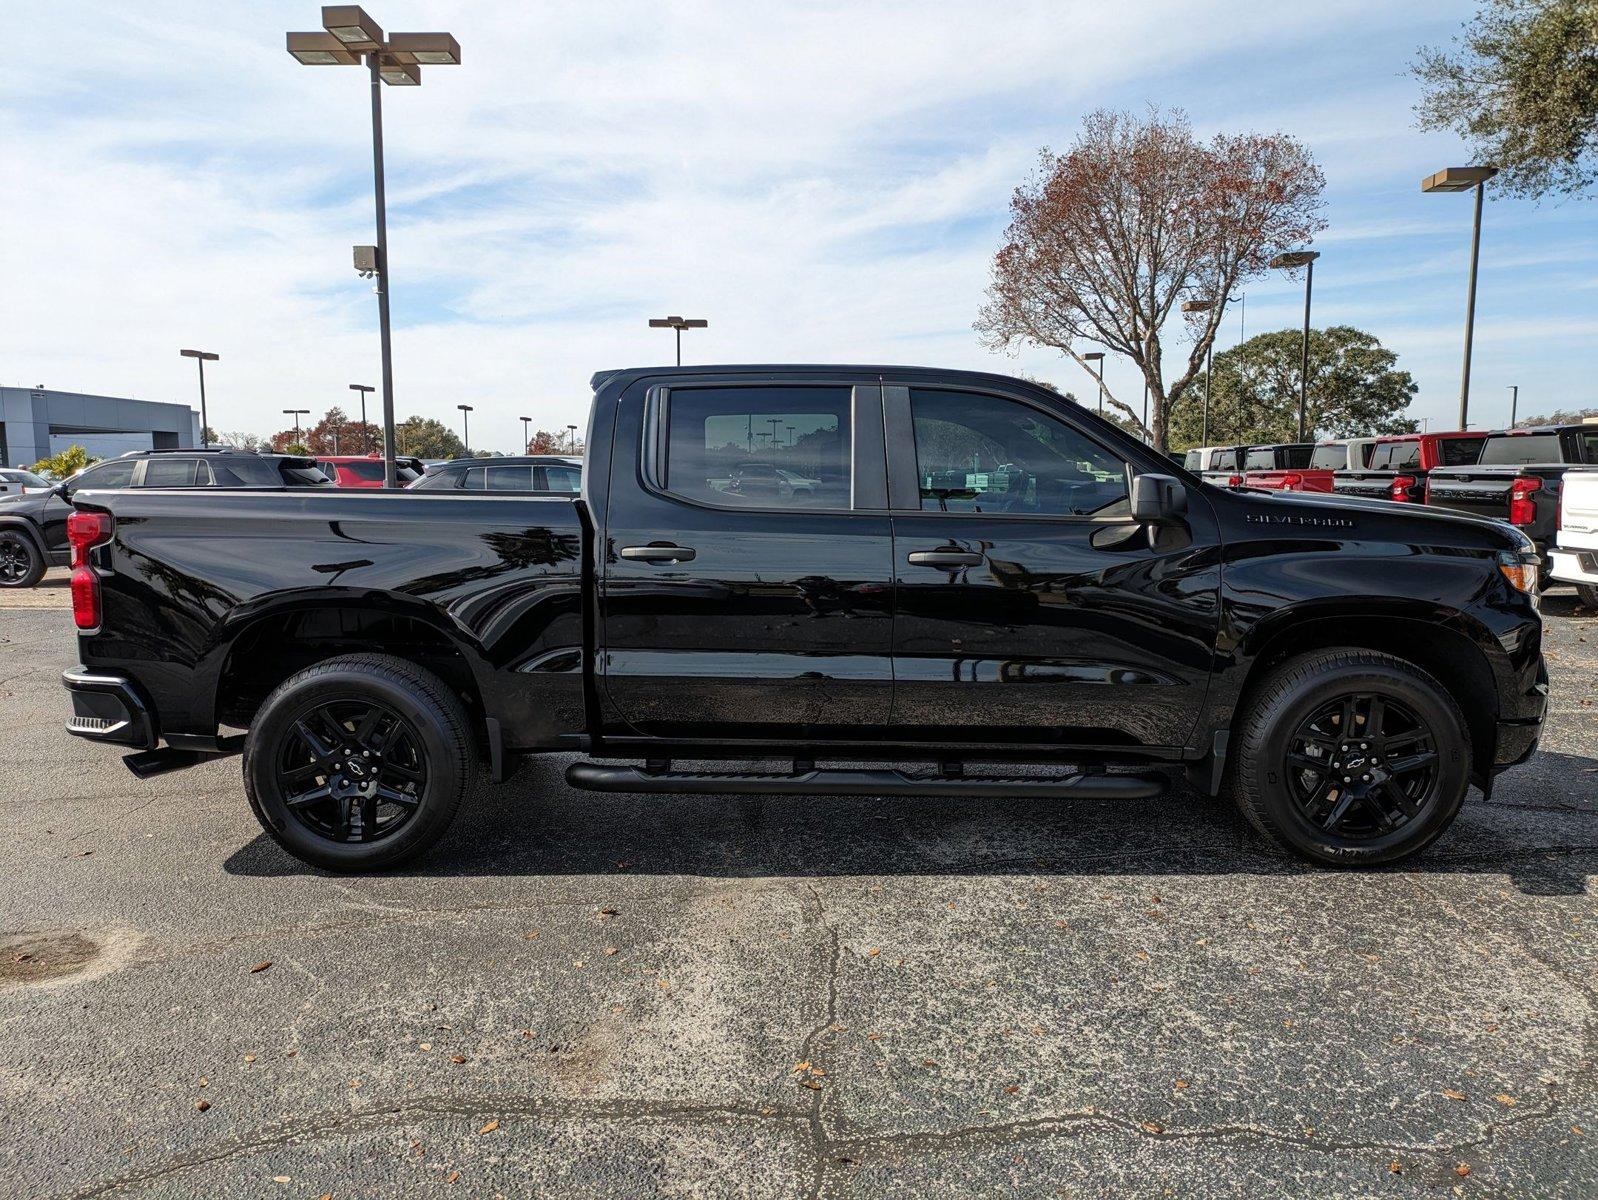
(191, 574)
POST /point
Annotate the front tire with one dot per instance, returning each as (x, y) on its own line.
(1587, 593)
(21, 564)
(359, 762)
(1352, 757)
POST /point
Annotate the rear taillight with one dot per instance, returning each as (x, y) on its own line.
(1292, 481)
(1234, 481)
(1401, 486)
(86, 530)
(1522, 508)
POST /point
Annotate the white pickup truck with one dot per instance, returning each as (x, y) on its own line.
(1575, 559)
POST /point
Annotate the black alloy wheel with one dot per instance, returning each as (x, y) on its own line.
(20, 564)
(1361, 766)
(359, 762)
(351, 770)
(1350, 757)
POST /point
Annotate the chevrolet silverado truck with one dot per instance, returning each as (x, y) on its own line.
(986, 590)
(1396, 468)
(1518, 478)
(1575, 556)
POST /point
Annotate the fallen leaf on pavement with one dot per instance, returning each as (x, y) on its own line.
(1452, 1094)
(201, 1105)
(452, 1177)
(1505, 1099)
(457, 1059)
(1150, 1127)
(1395, 1167)
(1462, 1170)
(490, 1127)
(260, 966)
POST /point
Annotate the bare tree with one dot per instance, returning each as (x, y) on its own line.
(1106, 241)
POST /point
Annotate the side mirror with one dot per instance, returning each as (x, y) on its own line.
(1157, 499)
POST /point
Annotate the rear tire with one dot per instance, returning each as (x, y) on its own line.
(1352, 757)
(359, 762)
(21, 564)
(1587, 593)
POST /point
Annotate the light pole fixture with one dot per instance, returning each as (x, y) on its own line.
(366, 433)
(1291, 261)
(1514, 402)
(201, 357)
(1097, 356)
(679, 324)
(1464, 179)
(466, 427)
(572, 430)
(527, 438)
(296, 413)
(349, 34)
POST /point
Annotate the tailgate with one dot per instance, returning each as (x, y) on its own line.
(1481, 493)
(1373, 485)
(1579, 502)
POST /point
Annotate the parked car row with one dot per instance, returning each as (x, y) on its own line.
(34, 511)
(1511, 475)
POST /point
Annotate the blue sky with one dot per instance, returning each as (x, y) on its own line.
(822, 181)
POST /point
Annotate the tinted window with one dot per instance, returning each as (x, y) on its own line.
(404, 475)
(25, 478)
(1460, 452)
(169, 472)
(979, 453)
(1261, 460)
(1329, 458)
(472, 479)
(369, 470)
(1590, 442)
(1191, 460)
(1224, 460)
(299, 473)
(563, 479)
(439, 481)
(110, 475)
(771, 447)
(1522, 448)
(1395, 456)
(1296, 458)
(510, 479)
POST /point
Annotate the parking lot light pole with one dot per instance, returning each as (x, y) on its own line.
(679, 324)
(572, 429)
(1514, 402)
(201, 357)
(527, 438)
(1291, 261)
(1097, 358)
(1464, 179)
(466, 427)
(296, 413)
(366, 433)
(347, 35)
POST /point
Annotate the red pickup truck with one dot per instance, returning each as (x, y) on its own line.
(1282, 468)
(1399, 465)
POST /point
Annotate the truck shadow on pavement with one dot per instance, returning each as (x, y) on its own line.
(535, 824)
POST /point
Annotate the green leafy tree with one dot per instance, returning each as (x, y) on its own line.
(424, 437)
(1520, 85)
(1355, 390)
(1561, 416)
(69, 462)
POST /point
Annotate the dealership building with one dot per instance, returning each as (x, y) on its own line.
(38, 422)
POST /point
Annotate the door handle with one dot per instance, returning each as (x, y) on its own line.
(944, 558)
(658, 553)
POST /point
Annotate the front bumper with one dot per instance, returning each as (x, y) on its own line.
(108, 708)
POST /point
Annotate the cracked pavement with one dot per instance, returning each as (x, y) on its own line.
(988, 997)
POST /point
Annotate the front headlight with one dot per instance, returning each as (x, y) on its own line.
(1520, 568)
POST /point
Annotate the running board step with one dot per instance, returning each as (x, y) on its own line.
(593, 777)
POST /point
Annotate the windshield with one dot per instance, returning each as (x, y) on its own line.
(25, 478)
(1521, 448)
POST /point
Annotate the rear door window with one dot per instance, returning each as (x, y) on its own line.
(760, 447)
(561, 479)
(110, 475)
(510, 479)
(169, 472)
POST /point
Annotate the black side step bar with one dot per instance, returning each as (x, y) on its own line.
(594, 777)
(147, 763)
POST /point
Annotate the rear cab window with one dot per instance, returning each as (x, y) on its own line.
(1459, 452)
(1329, 458)
(1261, 460)
(1193, 460)
(1395, 456)
(1223, 460)
(1522, 449)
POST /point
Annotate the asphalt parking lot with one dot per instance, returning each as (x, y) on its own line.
(626, 996)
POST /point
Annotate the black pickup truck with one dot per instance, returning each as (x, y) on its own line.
(975, 572)
(1518, 478)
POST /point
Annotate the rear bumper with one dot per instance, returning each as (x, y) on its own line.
(108, 708)
(1574, 566)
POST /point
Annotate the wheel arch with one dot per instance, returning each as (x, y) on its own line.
(30, 530)
(258, 646)
(1447, 644)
